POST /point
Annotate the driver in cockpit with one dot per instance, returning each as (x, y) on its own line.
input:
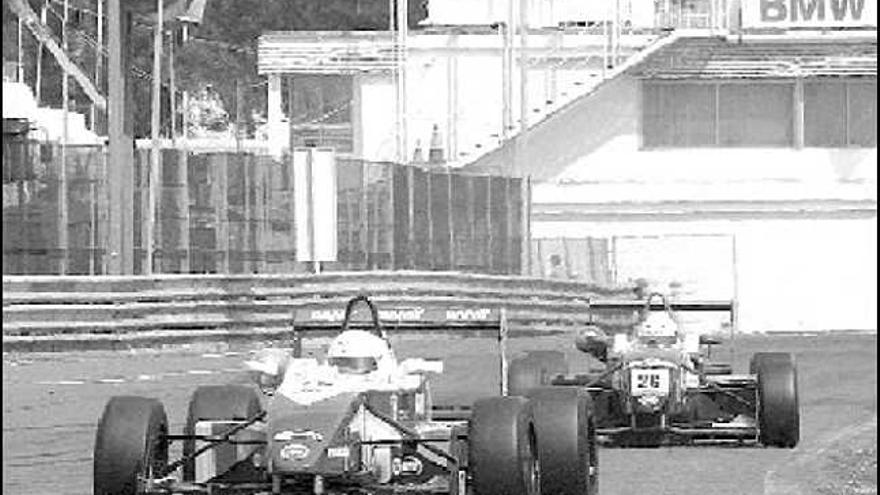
(361, 353)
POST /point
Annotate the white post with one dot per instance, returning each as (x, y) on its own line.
(62, 172)
(172, 82)
(155, 156)
(20, 68)
(184, 97)
(402, 33)
(275, 116)
(99, 54)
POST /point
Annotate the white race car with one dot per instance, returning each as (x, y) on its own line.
(358, 421)
(660, 385)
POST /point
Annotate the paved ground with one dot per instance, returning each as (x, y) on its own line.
(51, 404)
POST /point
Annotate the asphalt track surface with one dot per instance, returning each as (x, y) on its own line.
(52, 401)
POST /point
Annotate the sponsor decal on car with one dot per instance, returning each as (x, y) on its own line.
(406, 466)
(338, 452)
(295, 452)
(468, 314)
(288, 435)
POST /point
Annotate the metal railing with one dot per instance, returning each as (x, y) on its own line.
(68, 309)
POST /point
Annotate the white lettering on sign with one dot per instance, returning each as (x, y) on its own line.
(329, 315)
(468, 314)
(810, 13)
(411, 314)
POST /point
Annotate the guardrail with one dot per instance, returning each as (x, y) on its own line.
(173, 307)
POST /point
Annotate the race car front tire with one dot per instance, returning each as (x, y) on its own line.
(778, 410)
(534, 370)
(566, 440)
(217, 403)
(130, 445)
(502, 447)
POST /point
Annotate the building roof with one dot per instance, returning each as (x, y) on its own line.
(784, 57)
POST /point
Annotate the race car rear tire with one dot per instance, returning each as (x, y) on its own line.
(130, 443)
(218, 403)
(566, 440)
(778, 410)
(534, 370)
(502, 447)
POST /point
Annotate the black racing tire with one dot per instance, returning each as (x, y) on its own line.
(778, 411)
(502, 447)
(534, 370)
(219, 403)
(130, 444)
(767, 357)
(566, 440)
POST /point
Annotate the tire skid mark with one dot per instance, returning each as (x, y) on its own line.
(778, 481)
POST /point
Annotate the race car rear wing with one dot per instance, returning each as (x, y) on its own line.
(433, 318)
(653, 304)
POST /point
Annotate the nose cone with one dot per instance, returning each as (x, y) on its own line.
(301, 434)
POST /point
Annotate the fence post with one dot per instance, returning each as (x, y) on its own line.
(221, 169)
(451, 219)
(411, 212)
(183, 209)
(389, 172)
(260, 206)
(429, 194)
(490, 258)
(365, 216)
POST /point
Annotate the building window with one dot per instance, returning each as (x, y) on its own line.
(862, 114)
(824, 114)
(756, 114)
(838, 114)
(679, 115)
(725, 114)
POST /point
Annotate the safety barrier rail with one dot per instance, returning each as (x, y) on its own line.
(177, 306)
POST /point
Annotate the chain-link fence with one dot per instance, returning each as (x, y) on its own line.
(234, 213)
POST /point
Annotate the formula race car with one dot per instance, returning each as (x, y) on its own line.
(356, 422)
(660, 386)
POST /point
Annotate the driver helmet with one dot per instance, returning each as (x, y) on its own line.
(658, 324)
(358, 352)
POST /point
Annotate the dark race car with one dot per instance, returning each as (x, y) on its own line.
(357, 422)
(660, 386)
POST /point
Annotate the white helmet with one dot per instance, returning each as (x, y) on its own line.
(360, 352)
(658, 324)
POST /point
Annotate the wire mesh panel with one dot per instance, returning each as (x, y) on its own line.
(234, 213)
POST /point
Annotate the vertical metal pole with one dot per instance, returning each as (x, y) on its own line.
(402, 34)
(734, 327)
(38, 85)
(62, 172)
(411, 213)
(502, 349)
(20, 66)
(121, 160)
(172, 82)
(527, 225)
(605, 38)
(184, 97)
(365, 215)
(310, 200)
(489, 237)
(430, 195)
(523, 65)
(99, 56)
(451, 219)
(155, 155)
